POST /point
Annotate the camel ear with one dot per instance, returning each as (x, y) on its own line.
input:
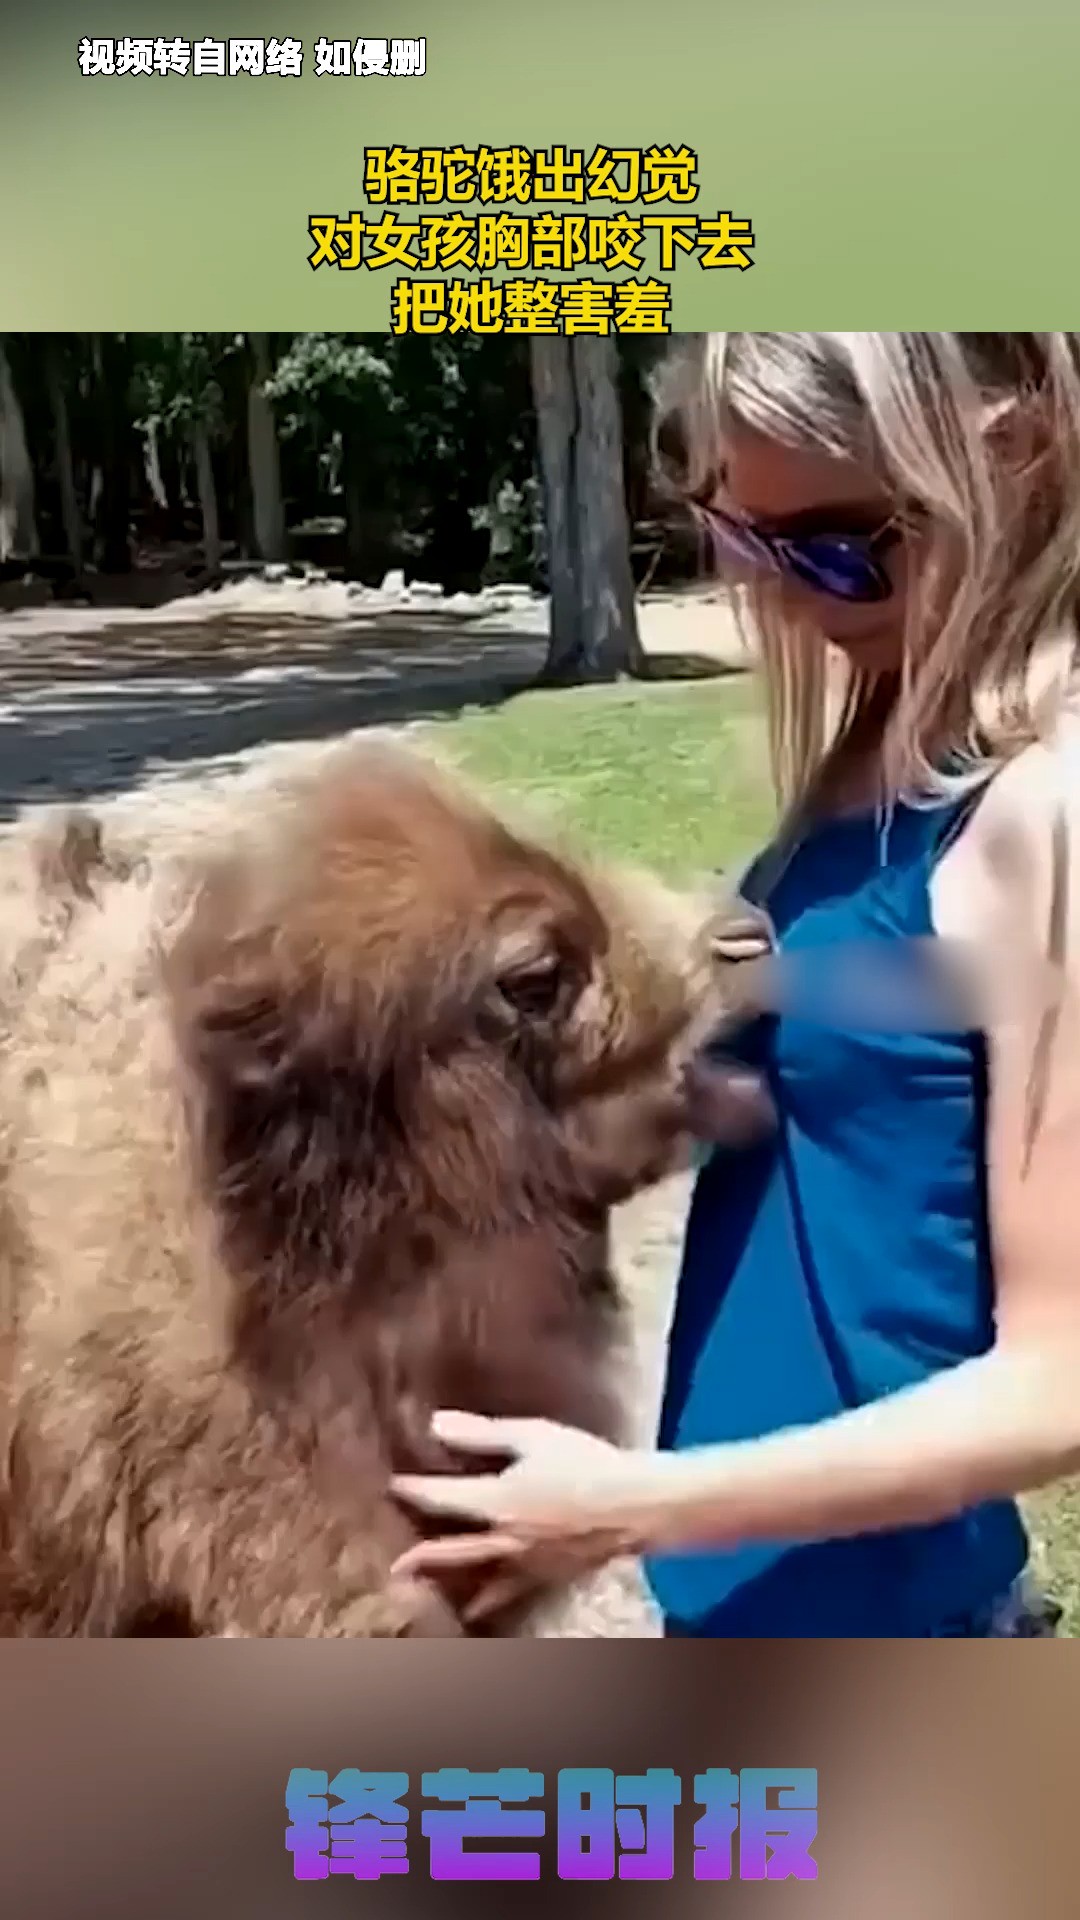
(252, 1034)
(290, 1119)
(317, 1120)
(277, 1053)
(254, 1008)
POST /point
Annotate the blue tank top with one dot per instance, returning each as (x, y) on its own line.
(841, 1260)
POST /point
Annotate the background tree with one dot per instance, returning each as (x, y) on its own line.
(112, 488)
(18, 522)
(459, 459)
(179, 395)
(60, 371)
(594, 633)
(338, 394)
(268, 511)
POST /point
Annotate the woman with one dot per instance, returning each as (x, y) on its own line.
(876, 1344)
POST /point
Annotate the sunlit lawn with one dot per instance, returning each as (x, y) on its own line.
(675, 776)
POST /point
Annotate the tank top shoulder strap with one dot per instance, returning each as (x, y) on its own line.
(936, 829)
(950, 820)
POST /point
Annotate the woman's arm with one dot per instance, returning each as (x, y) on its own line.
(992, 1427)
(1010, 1420)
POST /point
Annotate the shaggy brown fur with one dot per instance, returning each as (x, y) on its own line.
(301, 1137)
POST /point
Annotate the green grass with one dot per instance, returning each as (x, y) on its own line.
(675, 777)
(670, 775)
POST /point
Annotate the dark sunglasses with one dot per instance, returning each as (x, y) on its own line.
(846, 566)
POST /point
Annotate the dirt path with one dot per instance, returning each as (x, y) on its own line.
(102, 700)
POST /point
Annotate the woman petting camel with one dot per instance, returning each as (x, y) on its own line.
(876, 1340)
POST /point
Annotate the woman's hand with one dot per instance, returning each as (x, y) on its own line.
(566, 1504)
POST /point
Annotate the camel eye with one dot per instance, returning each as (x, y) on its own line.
(534, 991)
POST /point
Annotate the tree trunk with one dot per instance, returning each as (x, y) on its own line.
(594, 634)
(612, 645)
(152, 466)
(556, 425)
(65, 464)
(114, 430)
(18, 524)
(207, 491)
(352, 487)
(263, 455)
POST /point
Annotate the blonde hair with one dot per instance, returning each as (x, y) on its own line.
(980, 432)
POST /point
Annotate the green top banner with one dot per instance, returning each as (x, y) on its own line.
(452, 168)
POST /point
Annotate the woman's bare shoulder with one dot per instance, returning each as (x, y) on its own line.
(1036, 787)
(1021, 848)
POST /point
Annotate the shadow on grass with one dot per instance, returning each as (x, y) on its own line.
(108, 741)
(92, 712)
(658, 669)
(665, 667)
